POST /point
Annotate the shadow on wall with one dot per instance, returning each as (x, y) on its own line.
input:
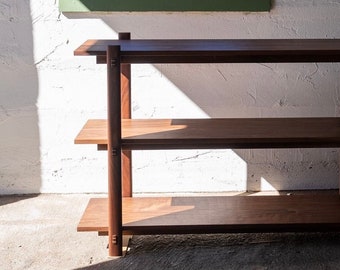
(20, 170)
(251, 90)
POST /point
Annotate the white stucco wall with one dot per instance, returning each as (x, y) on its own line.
(47, 94)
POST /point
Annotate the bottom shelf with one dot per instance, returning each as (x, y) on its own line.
(172, 215)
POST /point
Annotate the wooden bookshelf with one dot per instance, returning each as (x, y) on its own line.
(121, 213)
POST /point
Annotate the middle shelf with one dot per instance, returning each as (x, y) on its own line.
(153, 134)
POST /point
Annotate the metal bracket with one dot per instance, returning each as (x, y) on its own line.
(113, 62)
(114, 152)
(114, 239)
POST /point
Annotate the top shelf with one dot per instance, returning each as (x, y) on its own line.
(217, 51)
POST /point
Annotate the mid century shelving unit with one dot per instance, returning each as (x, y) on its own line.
(122, 214)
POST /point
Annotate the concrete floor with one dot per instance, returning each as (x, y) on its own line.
(39, 232)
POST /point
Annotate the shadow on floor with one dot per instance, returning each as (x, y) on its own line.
(8, 199)
(230, 251)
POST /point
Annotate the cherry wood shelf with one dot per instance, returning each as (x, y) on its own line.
(217, 133)
(217, 50)
(218, 214)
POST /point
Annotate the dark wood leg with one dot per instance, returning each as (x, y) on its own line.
(126, 114)
(114, 151)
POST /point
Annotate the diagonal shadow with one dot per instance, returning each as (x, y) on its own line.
(246, 90)
(15, 198)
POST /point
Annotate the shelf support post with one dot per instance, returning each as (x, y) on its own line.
(126, 114)
(114, 151)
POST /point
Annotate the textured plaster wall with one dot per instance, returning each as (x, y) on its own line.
(46, 94)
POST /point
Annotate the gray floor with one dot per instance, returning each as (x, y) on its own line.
(39, 232)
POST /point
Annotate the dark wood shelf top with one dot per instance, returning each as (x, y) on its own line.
(217, 50)
(218, 214)
(217, 133)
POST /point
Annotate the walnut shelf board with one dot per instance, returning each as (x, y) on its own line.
(157, 215)
(217, 133)
(216, 50)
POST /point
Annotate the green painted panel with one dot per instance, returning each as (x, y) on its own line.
(163, 5)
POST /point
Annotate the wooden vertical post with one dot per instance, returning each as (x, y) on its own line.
(114, 151)
(126, 114)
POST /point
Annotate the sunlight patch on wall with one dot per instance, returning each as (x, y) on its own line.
(266, 186)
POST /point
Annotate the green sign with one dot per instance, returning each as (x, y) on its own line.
(163, 5)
